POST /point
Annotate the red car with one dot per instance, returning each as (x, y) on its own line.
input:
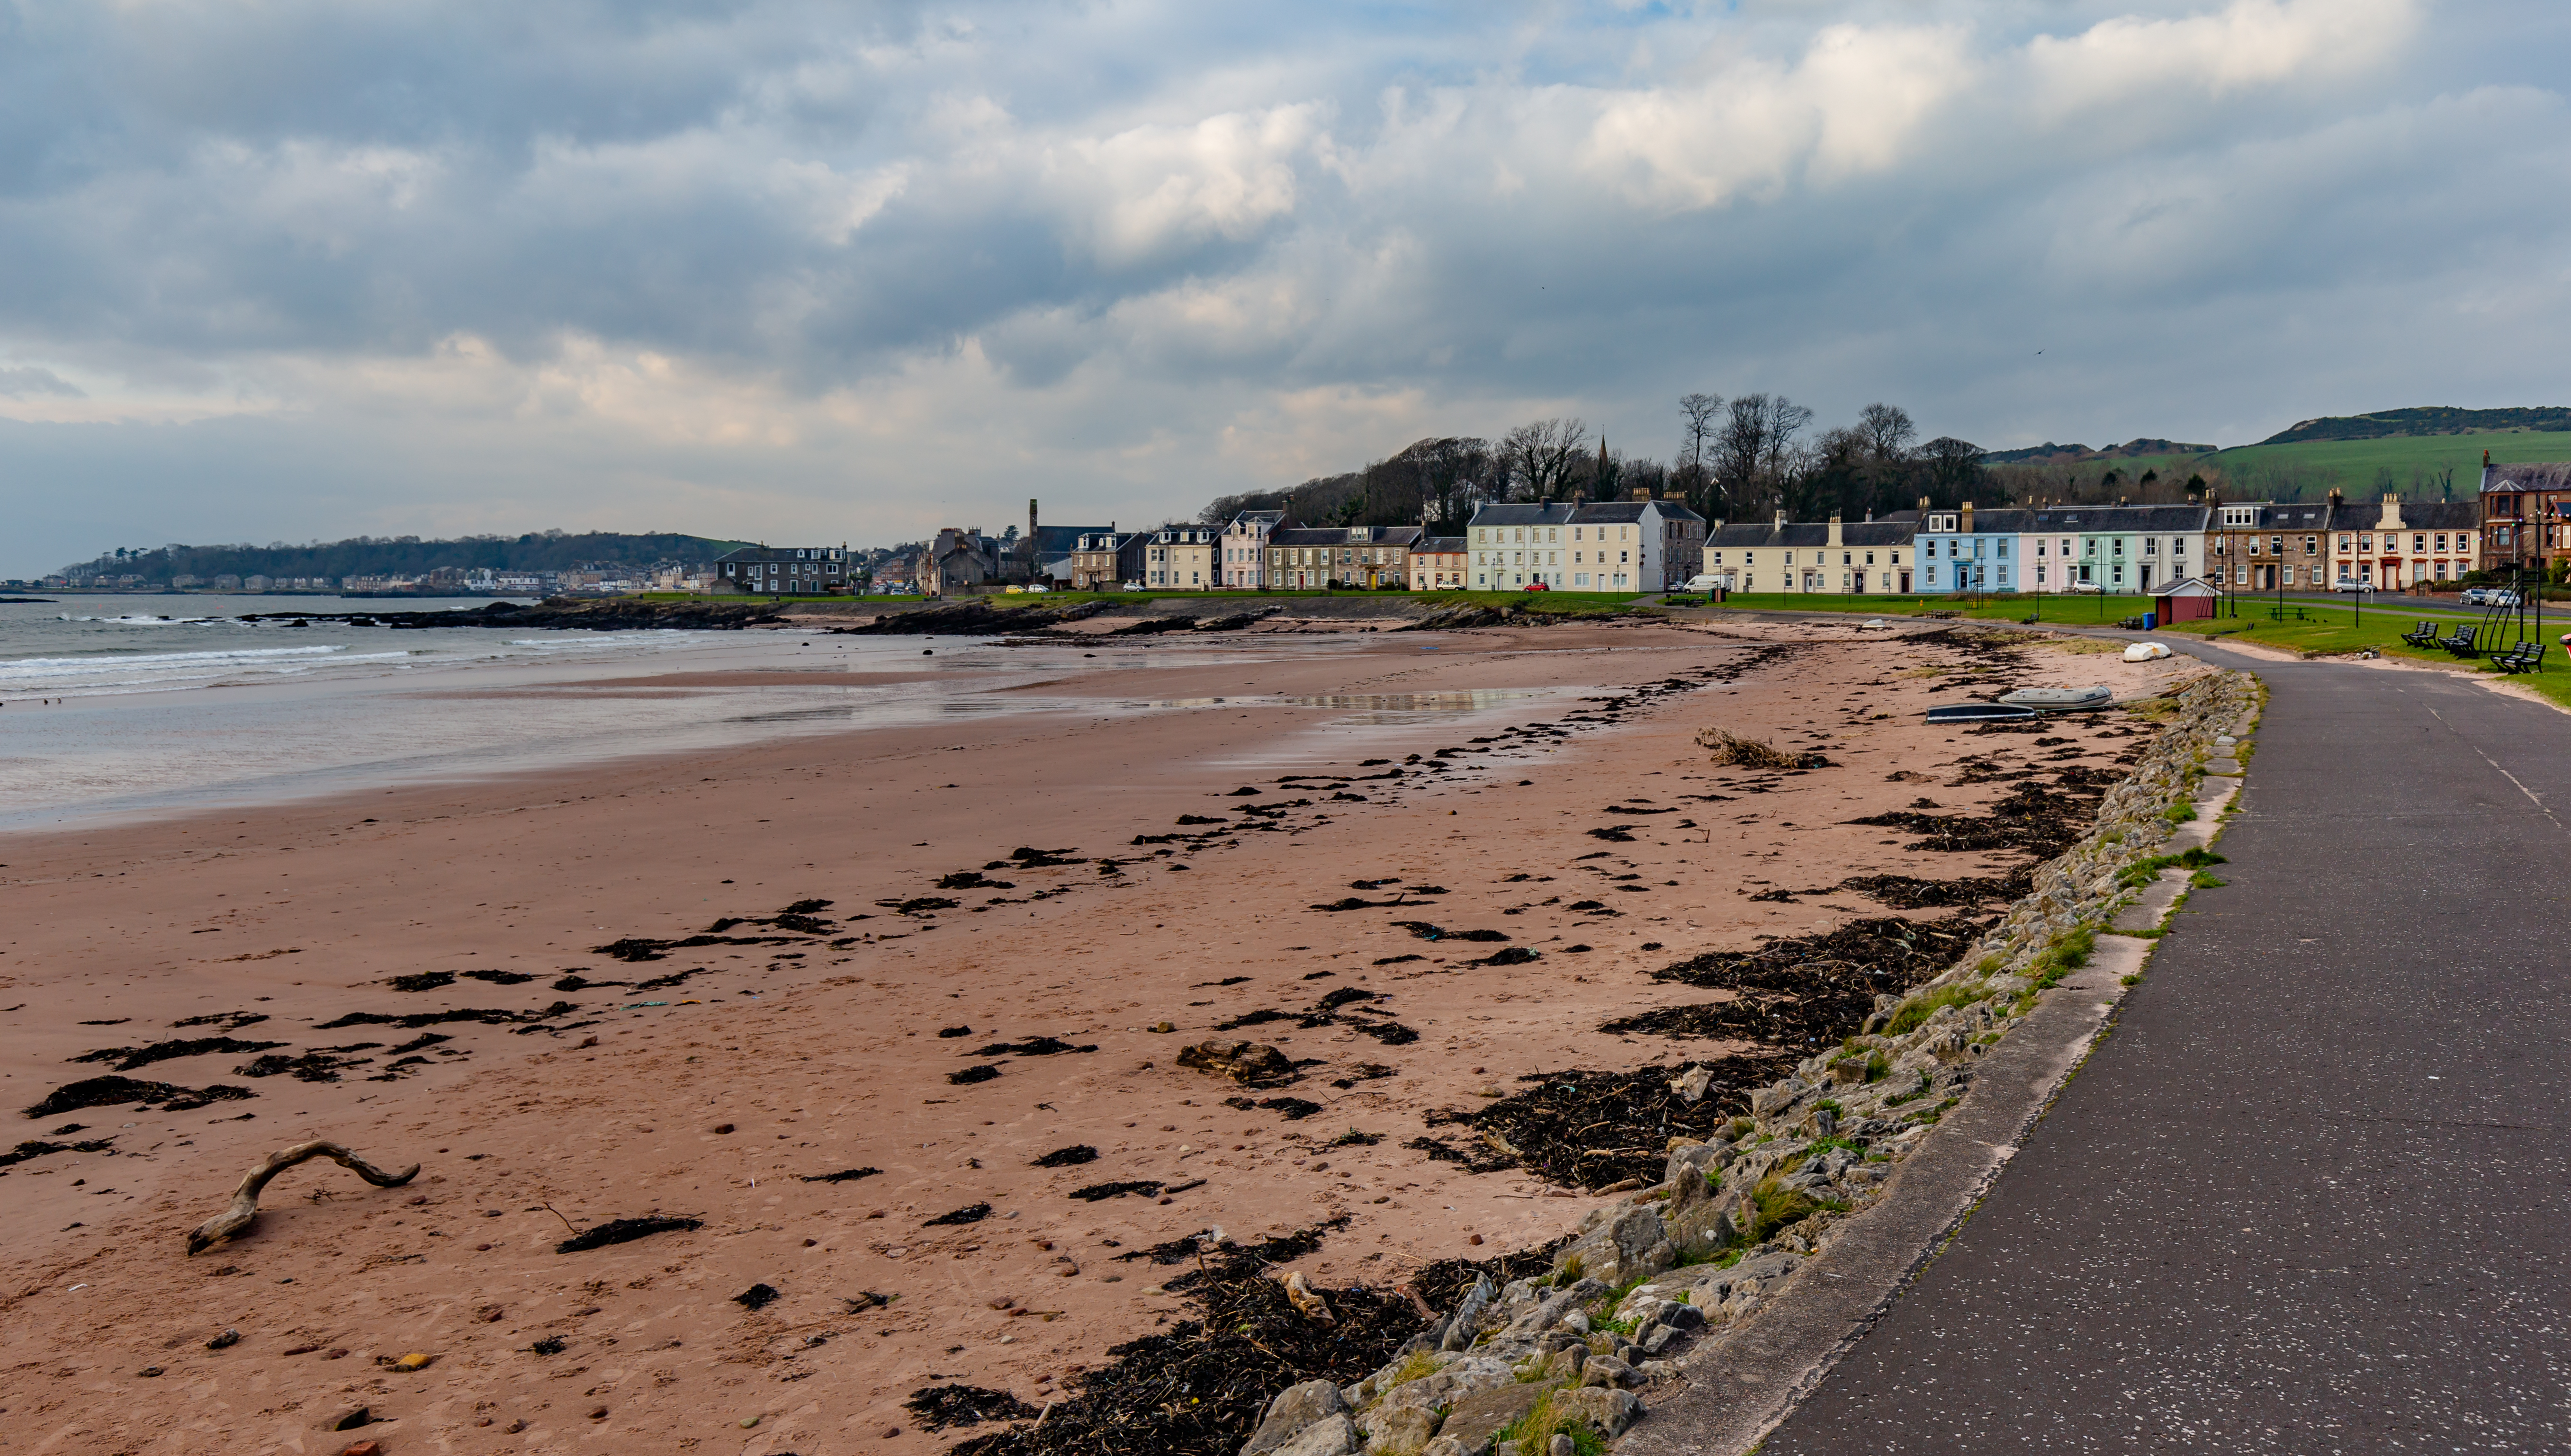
(1535, 587)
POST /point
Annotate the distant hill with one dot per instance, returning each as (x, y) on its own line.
(409, 556)
(2436, 419)
(2067, 454)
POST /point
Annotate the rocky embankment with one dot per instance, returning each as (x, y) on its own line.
(965, 617)
(610, 614)
(1516, 1367)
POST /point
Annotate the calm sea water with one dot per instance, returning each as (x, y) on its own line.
(118, 708)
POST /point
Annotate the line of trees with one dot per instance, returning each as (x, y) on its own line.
(537, 551)
(1737, 459)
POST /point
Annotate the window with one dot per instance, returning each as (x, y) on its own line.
(2276, 545)
(2151, 546)
(1869, 558)
(2441, 541)
(1789, 558)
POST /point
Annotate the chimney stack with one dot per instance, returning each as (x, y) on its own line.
(1642, 492)
(1780, 518)
(1968, 518)
(1835, 531)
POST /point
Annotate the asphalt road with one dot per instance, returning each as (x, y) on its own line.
(2312, 1194)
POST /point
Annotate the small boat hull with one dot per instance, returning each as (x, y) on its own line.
(2061, 700)
(1979, 713)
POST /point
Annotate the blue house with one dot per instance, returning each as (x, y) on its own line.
(1961, 551)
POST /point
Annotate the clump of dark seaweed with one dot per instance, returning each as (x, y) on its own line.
(129, 1057)
(1031, 1047)
(1200, 1387)
(1101, 1191)
(625, 1230)
(1071, 1156)
(1806, 989)
(940, 1406)
(118, 1090)
(1598, 1129)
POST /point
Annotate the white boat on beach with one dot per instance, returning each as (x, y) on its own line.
(2060, 700)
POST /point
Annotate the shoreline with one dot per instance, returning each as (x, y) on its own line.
(823, 1057)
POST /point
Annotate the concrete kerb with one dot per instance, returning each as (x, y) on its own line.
(1739, 1385)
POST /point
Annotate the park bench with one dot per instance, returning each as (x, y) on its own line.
(2522, 658)
(2422, 634)
(2461, 643)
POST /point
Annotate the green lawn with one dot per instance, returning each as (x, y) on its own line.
(2306, 627)
(2049, 607)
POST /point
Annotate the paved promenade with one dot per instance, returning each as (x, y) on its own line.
(2314, 1192)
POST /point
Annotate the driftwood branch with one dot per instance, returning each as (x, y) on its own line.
(236, 1219)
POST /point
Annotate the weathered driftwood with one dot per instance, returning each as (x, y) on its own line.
(236, 1219)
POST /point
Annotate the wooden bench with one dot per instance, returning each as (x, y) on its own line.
(2462, 644)
(2422, 634)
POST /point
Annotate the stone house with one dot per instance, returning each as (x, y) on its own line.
(783, 571)
(1102, 561)
(1312, 557)
(2522, 510)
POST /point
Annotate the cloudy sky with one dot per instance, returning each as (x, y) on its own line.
(303, 268)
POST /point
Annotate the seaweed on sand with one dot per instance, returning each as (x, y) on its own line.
(129, 1057)
(1199, 1387)
(2038, 821)
(1096, 1191)
(940, 1406)
(415, 1019)
(1822, 987)
(1593, 1128)
(116, 1090)
(625, 1231)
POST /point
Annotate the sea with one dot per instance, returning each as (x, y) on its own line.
(124, 707)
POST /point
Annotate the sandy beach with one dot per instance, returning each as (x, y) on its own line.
(1068, 898)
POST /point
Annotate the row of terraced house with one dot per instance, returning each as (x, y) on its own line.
(2249, 546)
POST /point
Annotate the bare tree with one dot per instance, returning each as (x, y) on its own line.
(1887, 431)
(1700, 412)
(1543, 454)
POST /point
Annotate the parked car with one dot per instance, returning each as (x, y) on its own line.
(1038, 588)
(1706, 583)
(2090, 589)
(2489, 596)
(2360, 584)
(1535, 587)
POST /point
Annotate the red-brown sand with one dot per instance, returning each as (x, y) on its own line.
(771, 1069)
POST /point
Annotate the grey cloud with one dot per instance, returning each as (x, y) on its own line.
(1158, 218)
(26, 381)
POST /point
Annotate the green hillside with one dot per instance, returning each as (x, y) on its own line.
(2434, 420)
(2418, 467)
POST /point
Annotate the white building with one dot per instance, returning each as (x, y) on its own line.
(1244, 556)
(1612, 546)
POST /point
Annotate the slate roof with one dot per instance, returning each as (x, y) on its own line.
(1750, 535)
(2416, 516)
(1628, 511)
(1440, 546)
(2130, 520)
(1526, 513)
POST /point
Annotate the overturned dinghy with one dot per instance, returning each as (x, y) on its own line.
(2060, 700)
(1979, 713)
